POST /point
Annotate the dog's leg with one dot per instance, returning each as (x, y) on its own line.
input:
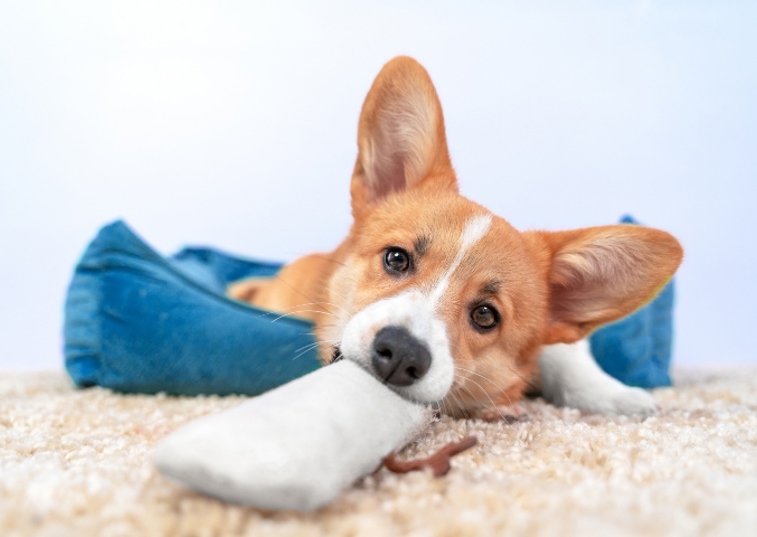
(570, 377)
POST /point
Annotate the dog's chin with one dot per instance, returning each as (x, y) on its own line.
(425, 392)
(460, 405)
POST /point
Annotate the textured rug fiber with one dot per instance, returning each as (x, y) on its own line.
(77, 463)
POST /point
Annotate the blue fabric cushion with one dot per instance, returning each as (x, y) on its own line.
(137, 322)
(636, 349)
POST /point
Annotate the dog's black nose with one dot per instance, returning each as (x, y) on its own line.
(398, 357)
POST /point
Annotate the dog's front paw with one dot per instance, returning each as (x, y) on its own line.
(607, 398)
(628, 401)
(571, 377)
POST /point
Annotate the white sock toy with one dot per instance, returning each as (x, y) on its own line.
(295, 447)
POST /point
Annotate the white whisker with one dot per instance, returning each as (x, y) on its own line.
(300, 311)
(462, 387)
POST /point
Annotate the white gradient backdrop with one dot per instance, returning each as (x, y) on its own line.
(233, 124)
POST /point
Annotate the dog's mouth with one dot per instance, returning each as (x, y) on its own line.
(336, 354)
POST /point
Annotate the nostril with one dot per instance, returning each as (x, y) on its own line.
(412, 372)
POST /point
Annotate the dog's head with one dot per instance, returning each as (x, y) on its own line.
(440, 297)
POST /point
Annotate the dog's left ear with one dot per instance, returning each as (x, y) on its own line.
(598, 275)
(401, 138)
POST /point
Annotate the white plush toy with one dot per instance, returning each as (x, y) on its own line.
(300, 445)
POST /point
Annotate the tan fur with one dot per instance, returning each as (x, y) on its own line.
(553, 287)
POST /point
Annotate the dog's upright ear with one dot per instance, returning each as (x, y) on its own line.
(600, 274)
(401, 138)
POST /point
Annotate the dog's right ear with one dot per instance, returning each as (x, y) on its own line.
(401, 138)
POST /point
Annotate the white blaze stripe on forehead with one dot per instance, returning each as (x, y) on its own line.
(474, 231)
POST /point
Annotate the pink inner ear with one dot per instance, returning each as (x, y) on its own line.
(591, 304)
(599, 275)
(582, 298)
(386, 177)
(588, 282)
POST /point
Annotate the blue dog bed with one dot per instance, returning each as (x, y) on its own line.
(138, 322)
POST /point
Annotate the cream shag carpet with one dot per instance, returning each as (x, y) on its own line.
(77, 463)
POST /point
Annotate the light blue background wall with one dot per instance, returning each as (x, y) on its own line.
(233, 124)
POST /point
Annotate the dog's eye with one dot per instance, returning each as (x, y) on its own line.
(396, 260)
(485, 317)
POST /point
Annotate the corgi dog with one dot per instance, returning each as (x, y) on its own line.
(448, 303)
